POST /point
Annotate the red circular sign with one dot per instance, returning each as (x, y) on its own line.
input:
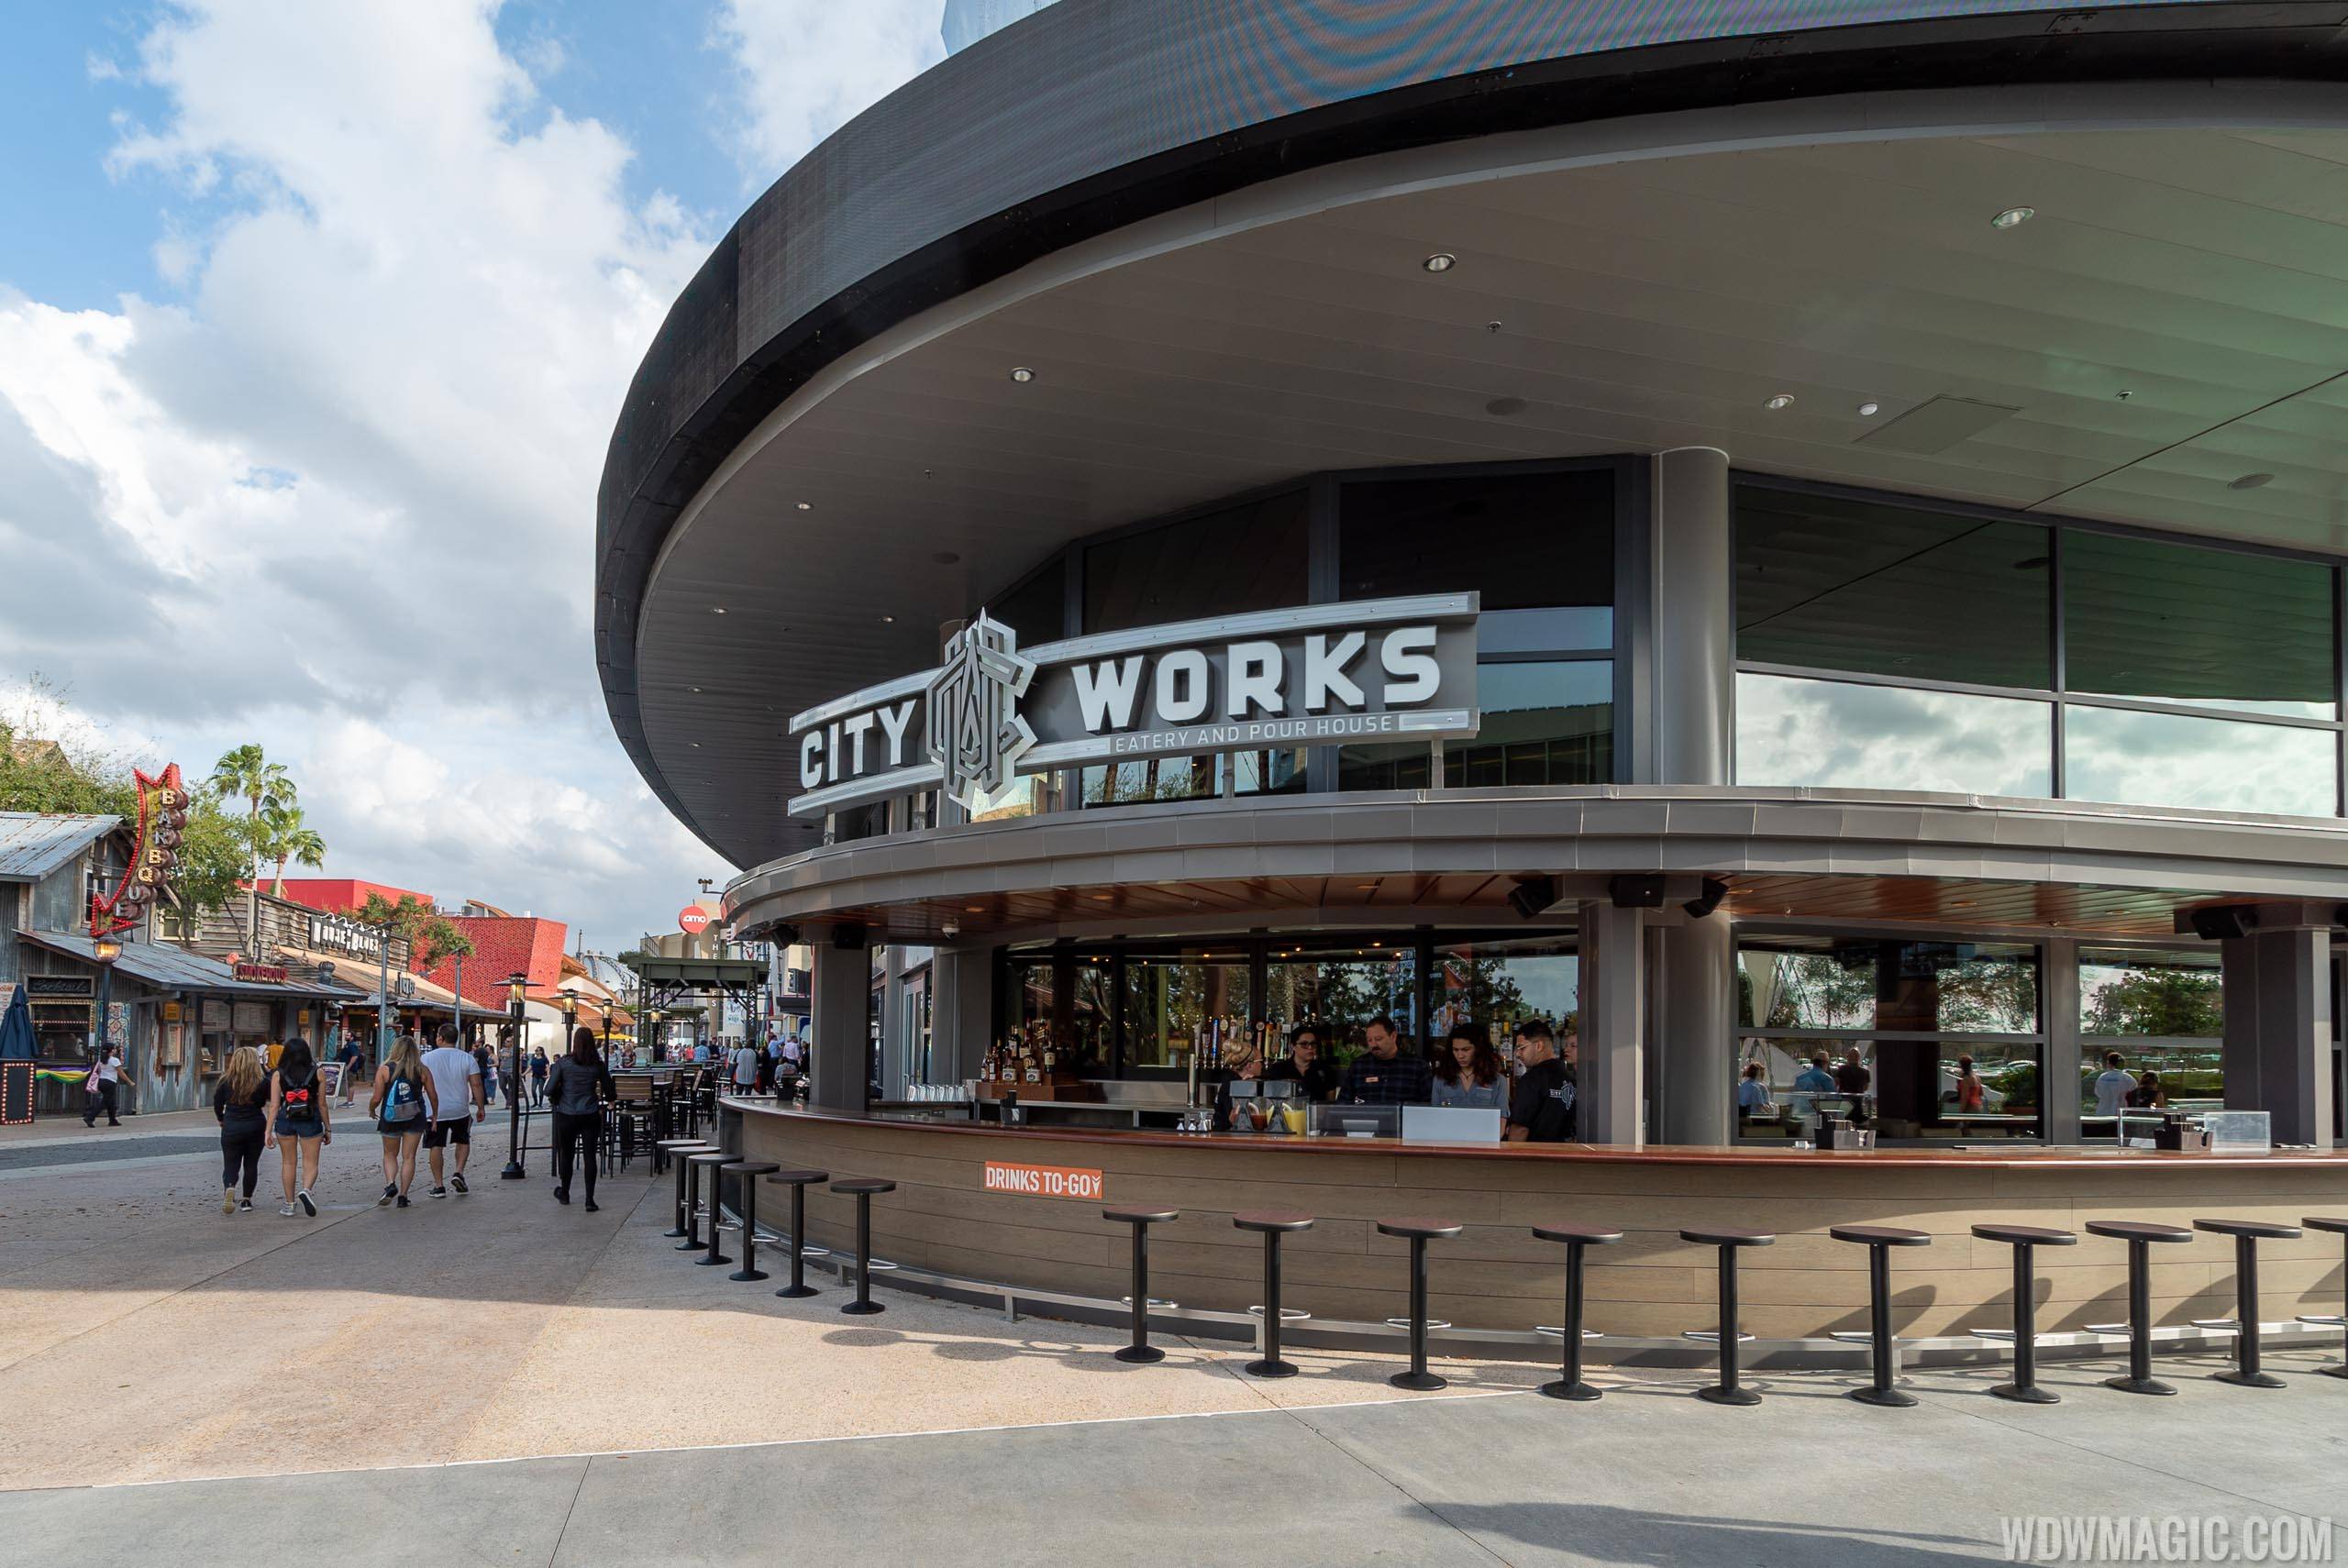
(692, 920)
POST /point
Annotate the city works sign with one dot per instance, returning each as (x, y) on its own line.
(1379, 670)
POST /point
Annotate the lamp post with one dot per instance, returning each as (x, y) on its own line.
(105, 950)
(518, 996)
(660, 1044)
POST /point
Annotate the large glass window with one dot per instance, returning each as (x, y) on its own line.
(1523, 541)
(2174, 759)
(1842, 734)
(2163, 1015)
(1250, 557)
(1037, 609)
(1175, 1002)
(1341, 985)
(1494, 983)
(1545, 723)
(1923, 1039)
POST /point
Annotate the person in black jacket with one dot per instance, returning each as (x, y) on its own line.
(240, 1102)
(577, 1086)
(1542, 1109)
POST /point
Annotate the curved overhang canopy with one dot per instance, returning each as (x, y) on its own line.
(1650, 248)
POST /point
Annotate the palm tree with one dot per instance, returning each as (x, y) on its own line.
(290, 838)
(245, 773)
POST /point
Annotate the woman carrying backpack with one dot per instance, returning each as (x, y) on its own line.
(241, 1103)
(299, 1123)
(578, 1084)
(402, 1105)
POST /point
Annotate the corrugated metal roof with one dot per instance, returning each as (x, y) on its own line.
(171, 968)
(34, 843)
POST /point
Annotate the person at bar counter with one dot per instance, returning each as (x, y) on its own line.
(1316, 1076)
(1852, 1078)
(1384, 1076)
(1468, 1071)
(1542, 1109)
(1248, 1069)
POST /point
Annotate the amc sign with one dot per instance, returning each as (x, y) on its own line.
(1387, 668)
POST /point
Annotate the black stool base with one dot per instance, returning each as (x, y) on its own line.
(1419, 1382)
(1141, 1355)
(2031, 1396)
(793, 1292)
(712, 1258)
(1581, 1393)
(2340, 1371)
(672, 1233)
(1882, 1398)
(688, 1245)
(2249, 1379)
(1717, 1394)
(1270, 1369)
(748, 1275)
(2139, 1385)
(863, 1308)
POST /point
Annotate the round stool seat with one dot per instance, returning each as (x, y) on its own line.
(799, 1178)
(2264, 1230)
(2026, 1235)
(1881, 1236)
(855, 1185)
(1724, 1236)
(2138, 1231)
(685, 1145)
(1422, 1228)
(749, 1167)
(1142, 1216)
(710, 1157)
(2336, 1223)
(1594, 1235)
(1272, 1219)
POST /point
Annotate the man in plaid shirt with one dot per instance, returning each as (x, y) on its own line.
(1385, 1076)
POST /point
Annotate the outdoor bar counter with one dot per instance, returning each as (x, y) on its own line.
(943, 1219)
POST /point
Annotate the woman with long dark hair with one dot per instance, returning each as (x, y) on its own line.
(300, 1123)
(241, 1104)
(1468, 1071)
(577, 1085)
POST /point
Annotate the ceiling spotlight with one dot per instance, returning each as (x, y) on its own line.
(1021, 374)
(2013, 218)
(888, 620)
(717, 609)
(694, 690)
(1492, 327)
(805, 506)
(1441, 261)
(1869, 409)
(2123, 396)
(1783, 400)
(2250, 482)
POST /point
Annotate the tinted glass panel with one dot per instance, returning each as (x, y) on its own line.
(1835, 583)
(2171, 759)
(1522, 542)
(1339, 987)
(1243, 558)
(1838, 735)
(2175, 994)
(2147, 619)
(1494, 984)
(1543, 723)
(1167, 999)
(1037, 609)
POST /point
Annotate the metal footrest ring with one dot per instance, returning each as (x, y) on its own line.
(1711, 1336)
(1432, 1323)
(1287, 1314)
(1558, 1331)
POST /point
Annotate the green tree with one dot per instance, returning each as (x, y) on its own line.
(247, 774)
(2177, 1003)
(286, 836)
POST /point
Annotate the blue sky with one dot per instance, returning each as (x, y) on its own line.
(313, 318)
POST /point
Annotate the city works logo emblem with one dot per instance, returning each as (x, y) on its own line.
(975, 733)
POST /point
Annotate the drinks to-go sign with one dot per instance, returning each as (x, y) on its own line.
(1043, 1181)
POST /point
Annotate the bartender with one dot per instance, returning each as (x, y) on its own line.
(1314, 1076)
(1248, 1069)
(1385, 1075)
(1541, 1109)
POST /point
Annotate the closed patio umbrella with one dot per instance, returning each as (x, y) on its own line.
(16, 1028)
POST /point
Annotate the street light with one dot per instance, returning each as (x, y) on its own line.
(105, 950)
(517, 996)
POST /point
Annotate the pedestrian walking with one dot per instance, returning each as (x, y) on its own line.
(746, 1070)
(579, 1086)
(108, 1074)
(458, 1097)
(403, 1106)
(488, 1065)
(538, 1065)
(300, 1125)
(352, 1060)
(241, 1103)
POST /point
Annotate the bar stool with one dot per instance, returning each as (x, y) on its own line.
(861, 1188)
(2025, 1240)
(1141, 1219)
(1727, 1391)
(1578, 1240)
(2247, 1234)
(675, 1149)
(695, 1207)
(2140, 1236)
(1883, 1356)
(2338, 1227)
(1272, 1224)
(1418, 1233)
(797, 1182)
(745, 1173)
(711, 1162)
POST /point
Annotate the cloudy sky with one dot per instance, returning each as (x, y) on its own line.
(313, 321)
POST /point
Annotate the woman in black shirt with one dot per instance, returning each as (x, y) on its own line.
(577, 1086)
(240, 1101)
(1316, 1076)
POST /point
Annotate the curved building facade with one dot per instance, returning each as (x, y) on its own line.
(1814, 533)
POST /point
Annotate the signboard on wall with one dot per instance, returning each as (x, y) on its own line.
(216, 1015)
(1391, 669)
(1043, 1181)
(265, 974)
(251, 1018)
(339, 933)
(60, 988)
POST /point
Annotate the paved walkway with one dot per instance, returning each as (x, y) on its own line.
(500, 1379)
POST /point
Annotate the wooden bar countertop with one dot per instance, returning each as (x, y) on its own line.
(1903, 1157)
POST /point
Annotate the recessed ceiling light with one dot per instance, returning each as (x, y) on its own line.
(2250, 482)
(888, 620)
(696, 746)
(717, 609)
(806, 506)
(1441, 261)
(973, 908)
(1021, 374)
(1492, 327)
(695, 691)
(2013, 218)
(1869, 409)
(1505, 406)
(946, 557)
(1783, 400)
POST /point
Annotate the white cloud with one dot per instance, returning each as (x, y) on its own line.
(808, 66)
